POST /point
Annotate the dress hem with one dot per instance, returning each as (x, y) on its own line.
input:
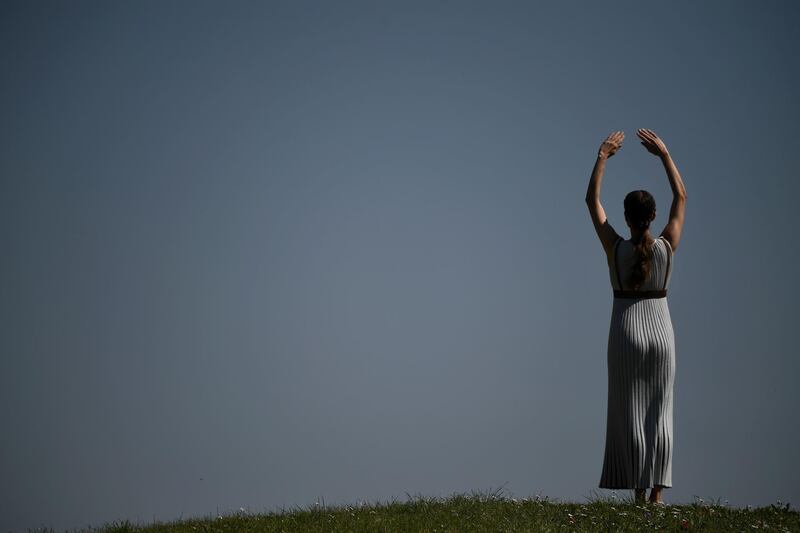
(632, 488)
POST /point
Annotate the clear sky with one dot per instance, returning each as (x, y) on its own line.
(261, 254)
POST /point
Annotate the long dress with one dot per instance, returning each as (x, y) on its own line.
(641, 374)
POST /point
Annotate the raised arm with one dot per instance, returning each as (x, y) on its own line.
(672, 231)
(608, 236)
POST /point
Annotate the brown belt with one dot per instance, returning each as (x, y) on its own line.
(640, 294)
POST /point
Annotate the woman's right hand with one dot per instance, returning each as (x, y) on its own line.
(651, 141)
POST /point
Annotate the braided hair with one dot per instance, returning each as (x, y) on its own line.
(640, 210)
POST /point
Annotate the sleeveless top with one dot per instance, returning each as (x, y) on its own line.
(620, 263)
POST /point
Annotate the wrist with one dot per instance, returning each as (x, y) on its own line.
(601, 155)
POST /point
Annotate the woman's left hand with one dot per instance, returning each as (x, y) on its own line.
(612, 143)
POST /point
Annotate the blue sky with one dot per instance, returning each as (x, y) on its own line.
(260, 254)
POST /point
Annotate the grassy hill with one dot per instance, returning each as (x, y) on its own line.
(490, 512)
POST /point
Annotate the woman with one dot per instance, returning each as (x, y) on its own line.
(641, 342)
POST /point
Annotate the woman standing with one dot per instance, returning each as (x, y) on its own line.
(641, 342)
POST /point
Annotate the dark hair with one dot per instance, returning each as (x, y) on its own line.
(640, 210)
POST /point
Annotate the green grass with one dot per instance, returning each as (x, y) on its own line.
(490, 512)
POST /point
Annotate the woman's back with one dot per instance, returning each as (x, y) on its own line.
(623, 257)
(641, 373)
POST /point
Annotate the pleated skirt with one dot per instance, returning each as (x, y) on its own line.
(641, 374)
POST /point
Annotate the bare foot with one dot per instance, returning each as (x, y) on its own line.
(655, 494)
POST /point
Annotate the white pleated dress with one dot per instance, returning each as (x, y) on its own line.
(641, 374)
